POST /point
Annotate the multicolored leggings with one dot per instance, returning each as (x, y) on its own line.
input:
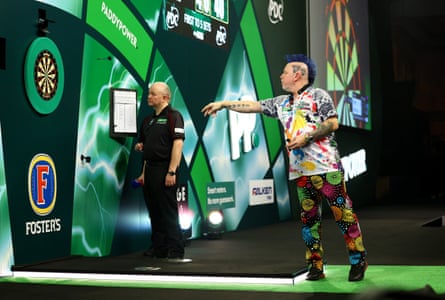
(311, 192)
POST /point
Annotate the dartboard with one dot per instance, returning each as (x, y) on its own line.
(46, 74)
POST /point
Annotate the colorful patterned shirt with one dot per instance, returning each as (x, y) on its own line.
(303, 115)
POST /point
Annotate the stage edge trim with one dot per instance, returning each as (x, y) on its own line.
(159, 278)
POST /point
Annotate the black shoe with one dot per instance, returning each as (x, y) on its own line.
(175, 256)
(357, 271)
(149, 253)
(315, 274)
(153, 254)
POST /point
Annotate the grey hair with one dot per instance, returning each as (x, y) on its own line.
(164, 88)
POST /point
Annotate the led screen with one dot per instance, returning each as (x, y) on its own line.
(338, 31)
(204, 20)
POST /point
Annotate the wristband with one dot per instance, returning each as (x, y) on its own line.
(308, 138)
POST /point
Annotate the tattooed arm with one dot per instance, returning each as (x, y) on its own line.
(242, 106)
(325, 128)
(328, 126)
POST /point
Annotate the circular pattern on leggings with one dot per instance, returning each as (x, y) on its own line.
(333, 178)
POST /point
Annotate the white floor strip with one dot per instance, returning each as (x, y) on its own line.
(159, 278)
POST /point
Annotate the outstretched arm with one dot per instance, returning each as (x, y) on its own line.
(242, 106)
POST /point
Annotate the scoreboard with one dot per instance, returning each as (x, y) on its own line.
(217, 9)
(203, 20)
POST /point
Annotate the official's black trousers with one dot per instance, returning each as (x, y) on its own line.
(162, 207)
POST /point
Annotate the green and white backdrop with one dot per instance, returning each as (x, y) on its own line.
(65, 183)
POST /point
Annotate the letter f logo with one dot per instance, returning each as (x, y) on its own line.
(42, 173)
(42, 184)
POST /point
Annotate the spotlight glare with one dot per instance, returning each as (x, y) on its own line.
(215, 217)
(185, 220)
(213, 226)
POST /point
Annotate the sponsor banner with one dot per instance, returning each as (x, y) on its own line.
(42, 190)
(121, 28)
(261, 192)
(354, 164)
(220, 195)
(48, 222)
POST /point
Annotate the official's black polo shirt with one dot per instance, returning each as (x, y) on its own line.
(158, 133)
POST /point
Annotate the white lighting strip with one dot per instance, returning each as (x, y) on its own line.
(159, 278)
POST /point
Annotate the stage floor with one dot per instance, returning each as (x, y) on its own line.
(267, 254)
(402, 250)
(393, 235)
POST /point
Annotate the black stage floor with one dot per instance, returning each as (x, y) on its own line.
(272, 251)
(399, 234)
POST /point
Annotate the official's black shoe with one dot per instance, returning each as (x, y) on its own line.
(174, 255)
(151, 253)
(357, 271)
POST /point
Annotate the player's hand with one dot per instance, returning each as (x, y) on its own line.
(296, 142)
(211, 108)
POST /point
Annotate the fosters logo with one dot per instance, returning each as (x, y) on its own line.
(42, 184)
(42, 189)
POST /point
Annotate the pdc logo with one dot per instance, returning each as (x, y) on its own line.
(42, 184)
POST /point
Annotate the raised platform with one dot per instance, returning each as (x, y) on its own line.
(393, 235)
(270, 254)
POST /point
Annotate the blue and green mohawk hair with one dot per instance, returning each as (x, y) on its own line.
(312, 68)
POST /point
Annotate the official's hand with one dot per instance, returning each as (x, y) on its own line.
(211, 108)
(140, 179)
(170, 180)
(139, 147)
